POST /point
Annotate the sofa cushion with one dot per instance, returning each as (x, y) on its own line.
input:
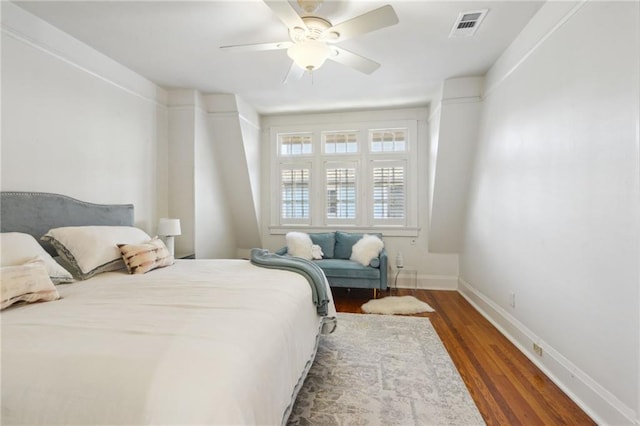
(339, 268)
(326, 241)
(344, 243)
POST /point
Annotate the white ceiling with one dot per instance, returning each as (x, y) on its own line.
(176, 45)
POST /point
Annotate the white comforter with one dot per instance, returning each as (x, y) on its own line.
(200, 342)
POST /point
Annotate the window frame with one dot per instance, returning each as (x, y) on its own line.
(318, 162)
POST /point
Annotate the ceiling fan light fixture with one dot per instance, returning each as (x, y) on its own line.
(309, 54)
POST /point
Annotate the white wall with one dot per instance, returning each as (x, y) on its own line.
(197, 194)
(182, 112)
(215, 236)
(452, 147)
(234, 127)
(554, 207)
(436, 271)
(77, 123)
(250, 130)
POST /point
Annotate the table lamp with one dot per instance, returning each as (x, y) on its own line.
(168, 229)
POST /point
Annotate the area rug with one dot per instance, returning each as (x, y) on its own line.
(383, 370)
(392, 305)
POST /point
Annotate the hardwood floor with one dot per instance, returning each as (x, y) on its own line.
(507, 388)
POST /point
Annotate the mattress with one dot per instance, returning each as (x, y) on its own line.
(199, 342)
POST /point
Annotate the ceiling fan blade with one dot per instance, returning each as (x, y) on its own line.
(353, 60)
(258, 46)
(374, 20)
(286, 13)
(294, 73)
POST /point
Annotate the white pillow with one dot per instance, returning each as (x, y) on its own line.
(90, 250)
(299, 244)
(316, 251)
(366, 248)
(17, 248)
(26, 283)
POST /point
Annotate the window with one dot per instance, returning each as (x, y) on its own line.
(390, 140)
(295, 194)
(361, 178)
(388, 192)
(341, 192)
(295, 144)
(340, 142)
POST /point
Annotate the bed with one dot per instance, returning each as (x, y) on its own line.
(197, 342)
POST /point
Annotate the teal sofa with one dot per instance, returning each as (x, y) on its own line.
(342, 272)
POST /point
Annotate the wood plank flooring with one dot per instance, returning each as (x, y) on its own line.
(507, 388)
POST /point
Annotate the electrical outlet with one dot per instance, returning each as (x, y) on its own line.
(537, 349)
(512, 299)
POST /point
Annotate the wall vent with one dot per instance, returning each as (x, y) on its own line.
(467, 23)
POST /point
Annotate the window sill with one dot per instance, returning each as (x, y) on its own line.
(386, 231)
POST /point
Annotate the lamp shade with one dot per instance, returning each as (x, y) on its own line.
(309, 54)
(168, 227)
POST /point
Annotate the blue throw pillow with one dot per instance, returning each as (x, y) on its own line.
(344, 243)
(326, 241)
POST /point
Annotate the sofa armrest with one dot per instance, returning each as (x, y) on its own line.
(282, 251)
(383, 269)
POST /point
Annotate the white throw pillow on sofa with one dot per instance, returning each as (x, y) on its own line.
(316, 252)
(299, 244)
(366, 249)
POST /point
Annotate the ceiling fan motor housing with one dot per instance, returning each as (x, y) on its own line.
(316, 26)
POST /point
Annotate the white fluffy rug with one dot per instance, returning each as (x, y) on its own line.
(391, 305)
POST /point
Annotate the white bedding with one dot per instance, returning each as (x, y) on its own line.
(200, 342)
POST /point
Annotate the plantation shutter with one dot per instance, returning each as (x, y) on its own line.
(295, 194)
(341, 193)
(389, 193)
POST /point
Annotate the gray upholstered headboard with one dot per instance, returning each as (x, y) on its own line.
(36, 212)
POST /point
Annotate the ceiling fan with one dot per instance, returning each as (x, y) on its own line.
(313, 37)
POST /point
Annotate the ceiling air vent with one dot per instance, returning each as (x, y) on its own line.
(467, 23)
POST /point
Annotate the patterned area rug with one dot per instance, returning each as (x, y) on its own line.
(383, 370)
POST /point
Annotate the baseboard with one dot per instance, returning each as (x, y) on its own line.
(590, 396)
(426, 282)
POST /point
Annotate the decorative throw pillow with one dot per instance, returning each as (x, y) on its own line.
(141, 258)
(299, 244)
(316, 251)
(17, 248)
(26, 283)
(366, 249)
(344, 244)
(90, 250)
(326, 240)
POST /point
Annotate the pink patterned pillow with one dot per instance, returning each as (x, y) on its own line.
(26, 283)
(141, 258)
